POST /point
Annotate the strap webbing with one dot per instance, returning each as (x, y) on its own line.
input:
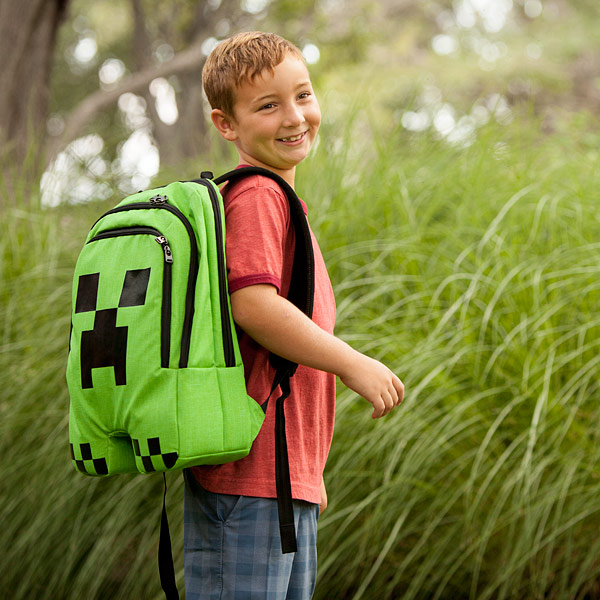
(166, 568)
(285, 508)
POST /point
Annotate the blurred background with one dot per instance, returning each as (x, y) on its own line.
(111, 90)
(454, 191)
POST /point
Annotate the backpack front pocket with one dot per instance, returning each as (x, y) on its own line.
(136, 280)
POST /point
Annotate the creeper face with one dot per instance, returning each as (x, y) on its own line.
(106, 344)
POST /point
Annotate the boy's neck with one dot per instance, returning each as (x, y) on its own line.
(288, 174)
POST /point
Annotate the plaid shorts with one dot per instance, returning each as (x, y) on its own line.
(233, 548)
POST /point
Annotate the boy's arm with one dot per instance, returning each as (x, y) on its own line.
(280, 327)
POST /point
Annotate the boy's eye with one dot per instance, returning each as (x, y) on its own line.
(303, 95)
(266, 106)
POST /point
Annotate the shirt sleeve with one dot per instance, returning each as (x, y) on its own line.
(256, 223)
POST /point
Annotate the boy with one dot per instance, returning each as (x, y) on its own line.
(263, 102)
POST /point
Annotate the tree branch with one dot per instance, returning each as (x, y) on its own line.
(83, 113)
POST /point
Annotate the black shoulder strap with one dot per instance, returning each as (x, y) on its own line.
(303, 274)
(301, 294)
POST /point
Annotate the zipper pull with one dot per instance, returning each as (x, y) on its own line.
(158, 199)
(162, 240)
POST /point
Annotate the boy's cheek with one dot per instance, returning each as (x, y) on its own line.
(317, 115)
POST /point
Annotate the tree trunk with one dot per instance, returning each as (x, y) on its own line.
(189, 135)
(27, 38)
(186, 138)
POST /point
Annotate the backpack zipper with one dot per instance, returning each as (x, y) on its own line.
(165, 320)
(228, 348)
(160, 202)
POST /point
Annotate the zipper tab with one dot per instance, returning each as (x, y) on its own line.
(158, 199)
(162, 240)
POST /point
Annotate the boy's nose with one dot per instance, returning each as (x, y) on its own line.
(293, 117)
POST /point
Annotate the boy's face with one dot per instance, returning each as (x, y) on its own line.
(276, 118)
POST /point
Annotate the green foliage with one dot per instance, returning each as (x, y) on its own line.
(473, 272)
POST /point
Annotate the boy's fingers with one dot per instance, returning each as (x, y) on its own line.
(389, 402)
(399, 386)
(383, 405)
(391, 396)
(378, 408)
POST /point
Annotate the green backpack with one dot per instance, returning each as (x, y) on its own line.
(155, 376)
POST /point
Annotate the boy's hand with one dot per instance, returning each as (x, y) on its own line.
(375, 383)
(323, 503)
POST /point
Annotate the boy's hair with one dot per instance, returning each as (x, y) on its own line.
(241, 58)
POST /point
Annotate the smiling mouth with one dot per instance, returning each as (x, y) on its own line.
(293, 138)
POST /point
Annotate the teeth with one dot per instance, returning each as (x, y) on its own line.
(294, 138)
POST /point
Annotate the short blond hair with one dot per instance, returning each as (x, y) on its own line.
(241, 58)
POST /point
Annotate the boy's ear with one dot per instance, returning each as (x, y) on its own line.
(224, 124)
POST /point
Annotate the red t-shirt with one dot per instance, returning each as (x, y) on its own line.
(260, 248)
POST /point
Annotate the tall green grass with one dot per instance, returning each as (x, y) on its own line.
(473, 273)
